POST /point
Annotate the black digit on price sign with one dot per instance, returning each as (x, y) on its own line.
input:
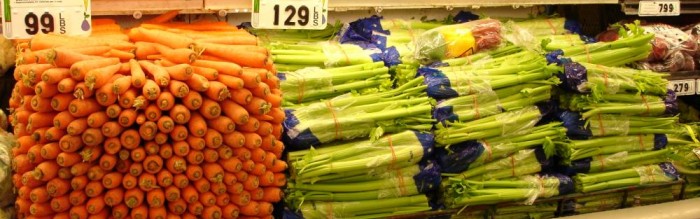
(665, 7)
(302, 13)
(682, 87)
(35, 23)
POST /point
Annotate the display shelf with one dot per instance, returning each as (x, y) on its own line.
(630, 7)
(129, 7)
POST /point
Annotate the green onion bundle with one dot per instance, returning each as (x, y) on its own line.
(356, 116)
(641, 175)
(313, 84)
(527, 189)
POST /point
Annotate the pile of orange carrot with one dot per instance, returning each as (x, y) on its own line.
(165, 120)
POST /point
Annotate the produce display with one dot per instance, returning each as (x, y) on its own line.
(170, 120)
(471, 116)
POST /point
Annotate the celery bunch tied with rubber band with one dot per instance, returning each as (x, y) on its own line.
(313, 84)
(461, 192)
(523, 162)
(601, 80)
(356, 116)
(579, 149)
(641, 175)
(601, 125)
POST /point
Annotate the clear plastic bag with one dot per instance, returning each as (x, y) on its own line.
(457, 40)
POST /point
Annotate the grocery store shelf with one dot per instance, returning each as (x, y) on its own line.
(670, 210)
(630, 7)
(684, 75)
(129, 7)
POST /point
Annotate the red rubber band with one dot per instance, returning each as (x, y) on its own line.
(600, 123)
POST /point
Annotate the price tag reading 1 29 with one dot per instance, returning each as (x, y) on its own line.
(26, 18)
(290, 14)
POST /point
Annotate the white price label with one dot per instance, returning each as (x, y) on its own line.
(683, 87)
(290, 14)
(660, 8)
(26, 18)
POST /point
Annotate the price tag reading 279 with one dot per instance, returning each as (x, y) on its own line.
(26, 18)
(290, 14)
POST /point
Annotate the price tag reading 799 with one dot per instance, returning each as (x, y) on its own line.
(26, 18)
(289, 14)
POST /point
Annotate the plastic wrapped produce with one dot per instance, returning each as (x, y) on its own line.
(457, 40)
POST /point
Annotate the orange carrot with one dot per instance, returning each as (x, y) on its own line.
(98, 77)
(194, 172)
(147, 182)
(207, 199)
(165, 151)
(176, 164)
(113, 111)
(130, 139)
(120, 211)
(140, 102)
(198, 83)
(244, 55)
(277, 114)
(92, 137)
(151, 90)
(114, 196)
(108, 162)
(129, 181)
(164, 178)
(83, 108)
(155, 198)
(251, 126)
(66, 159)
(196, 143)
(95, 173)
(231, 40)
(112, 129)
(165, 124)
(160, 75)
(45, 90)
(231, 165)
(274, 100)
(78, 212)
(105, 96)
(165, 101)
(112, 180)
(145, 49)
(181, 180)
(234, 139)
(39, 195)
(197, 124)
(133, 198)
(95, 204)
(234, 111)
(49, 151)
(180, 55)
(161, 138)
(163, 18)
(262, 90)
(41, 209)
(217, 91)
(66, 85)
(250, 80)
(196, 208)
(77, 197)
(93, 189)
(203, 185)
(178, 89)
(177, 206)
(230, 211)
(148, 130)
(232, 82)
(139, 212)
(60, 204)
(190, 194)
(34, 154)
(241, 199)
(127, 117)
(224, 68)
(122, 84)
(79, 70)
(166, 38)
(208, 73)
(213, 139)
(153, 164)
(41, 105)
(242, 96)
(123, 166)
(126, 100)
(265, 128)
(54, 75)
(210, 155)
(257, 194)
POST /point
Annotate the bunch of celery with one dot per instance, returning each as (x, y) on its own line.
(486, 75)
(358, 116)
(614, 125)
(580, 149)
(291, 36)
(545, 34)
(692, 188)
(634, 46)
(617, 161)
(369, 173)
(475, 106)
(600, 80)
(523, 162)
(621, 103)
(507, 124)
(313, 84)
(471, 154)
(547, 26)
(641, 175)
(593, 203)
(290, 57)
(685, 158)
(461, 192)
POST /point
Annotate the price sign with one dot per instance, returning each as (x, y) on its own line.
(660, 8)
(683, 87)
(290, 14)
(26, 18)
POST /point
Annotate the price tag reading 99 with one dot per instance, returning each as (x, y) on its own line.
(24, 19)
(289, 14)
